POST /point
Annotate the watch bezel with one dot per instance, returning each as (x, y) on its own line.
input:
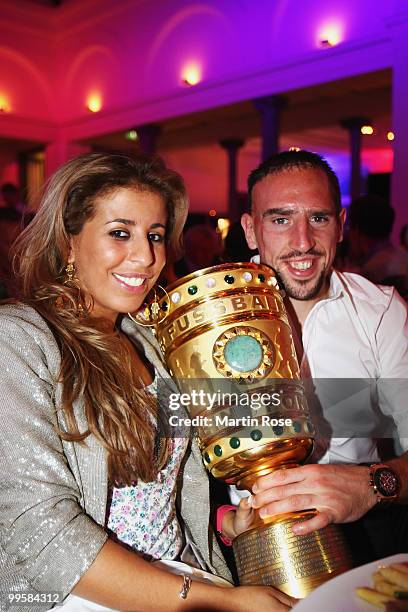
(377, 470)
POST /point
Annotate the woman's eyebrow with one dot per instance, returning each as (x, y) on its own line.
(124, 221)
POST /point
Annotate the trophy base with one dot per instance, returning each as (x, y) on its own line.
(295, 564)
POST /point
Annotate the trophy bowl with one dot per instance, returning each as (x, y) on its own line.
(224, 334)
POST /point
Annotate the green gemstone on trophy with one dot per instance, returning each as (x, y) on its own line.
(207, 457)
(297, 427)
(256, 435)
(192, 290)
(261, 278)
(217, 450)
(229, 279)
(277, 430)
(235, 443)
(243, 353)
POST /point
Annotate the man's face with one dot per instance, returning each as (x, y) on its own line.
(295, 228)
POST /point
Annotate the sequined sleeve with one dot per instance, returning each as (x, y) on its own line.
(46, 540)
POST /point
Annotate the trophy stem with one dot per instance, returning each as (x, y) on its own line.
(247, 480)
(271, 554)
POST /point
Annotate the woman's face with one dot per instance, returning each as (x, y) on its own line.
(120, 252)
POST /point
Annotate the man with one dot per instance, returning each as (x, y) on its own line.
(350, 329)
(371, 220)
(12, 200)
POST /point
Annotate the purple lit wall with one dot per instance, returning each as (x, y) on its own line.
(131, 57)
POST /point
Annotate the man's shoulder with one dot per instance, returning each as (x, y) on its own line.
(362, 290)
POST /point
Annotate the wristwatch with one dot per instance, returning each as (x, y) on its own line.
(384, 482)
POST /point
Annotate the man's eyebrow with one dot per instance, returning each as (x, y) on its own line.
(278, 211)
(287, 212)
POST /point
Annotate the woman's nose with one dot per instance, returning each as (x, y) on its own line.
(142, 252)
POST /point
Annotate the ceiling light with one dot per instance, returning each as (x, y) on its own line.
(191, 75)
(330, 35)
(131, 135)
(94, 103)
(390, 135)
(223, 227)
(367, 130)
(4, 104)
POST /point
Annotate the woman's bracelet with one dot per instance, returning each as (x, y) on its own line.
(220, 515)
(186, 586)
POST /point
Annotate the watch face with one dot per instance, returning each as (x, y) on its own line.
(386, 482)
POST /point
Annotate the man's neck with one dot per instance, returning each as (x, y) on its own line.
(302, 308)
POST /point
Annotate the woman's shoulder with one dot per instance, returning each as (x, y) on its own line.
(20, 314)
(142, 335)
(23, 326)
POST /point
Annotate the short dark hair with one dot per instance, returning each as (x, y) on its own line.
(9, 188)
(372, 216)
(296, 159)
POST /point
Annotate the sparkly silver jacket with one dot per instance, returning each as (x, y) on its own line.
(53, 494)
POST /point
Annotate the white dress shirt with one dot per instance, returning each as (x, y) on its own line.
(360, 331)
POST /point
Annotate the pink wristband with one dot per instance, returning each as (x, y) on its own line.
(220, 515)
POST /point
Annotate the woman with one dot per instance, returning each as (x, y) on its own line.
(84, 470)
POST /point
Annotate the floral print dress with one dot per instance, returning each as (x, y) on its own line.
(144, 516)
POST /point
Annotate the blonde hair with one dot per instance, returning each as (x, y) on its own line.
(96, 365)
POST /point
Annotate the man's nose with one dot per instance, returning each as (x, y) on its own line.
(302, 236)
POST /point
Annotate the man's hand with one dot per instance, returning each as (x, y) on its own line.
(340, 494)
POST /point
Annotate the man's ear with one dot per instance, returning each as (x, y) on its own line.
(342, 220)
(248, 227)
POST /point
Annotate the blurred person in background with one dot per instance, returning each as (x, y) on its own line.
(404, 237)
(10, 226)
(202, 248)
(12, 201)
(371, 220)
(236, 248)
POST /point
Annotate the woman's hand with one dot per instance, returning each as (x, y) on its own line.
(248, 598)
(239, 520)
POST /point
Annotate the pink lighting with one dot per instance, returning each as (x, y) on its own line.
(94, 102)
(191, 75)
(330, 35)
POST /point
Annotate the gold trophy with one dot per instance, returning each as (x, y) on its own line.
(227, 324)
